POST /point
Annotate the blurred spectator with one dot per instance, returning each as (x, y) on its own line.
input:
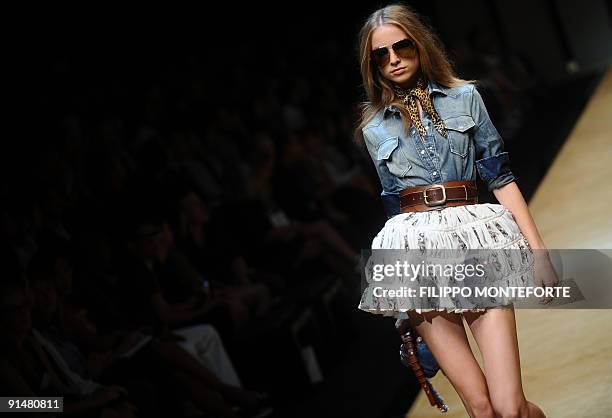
(31, 366)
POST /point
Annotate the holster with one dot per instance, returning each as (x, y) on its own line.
(409, 357)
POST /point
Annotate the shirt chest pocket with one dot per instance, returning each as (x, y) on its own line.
(391, 151)
(458, 131)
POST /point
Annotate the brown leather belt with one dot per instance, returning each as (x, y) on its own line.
(438, 196)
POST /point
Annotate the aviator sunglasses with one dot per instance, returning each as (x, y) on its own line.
(405, 48)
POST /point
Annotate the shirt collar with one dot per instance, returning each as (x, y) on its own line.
(432, 86)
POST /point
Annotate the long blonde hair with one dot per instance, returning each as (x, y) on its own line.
(435, 65)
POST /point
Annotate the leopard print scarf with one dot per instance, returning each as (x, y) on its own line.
(410, 96)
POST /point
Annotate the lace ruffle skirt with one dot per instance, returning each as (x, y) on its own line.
(480, 226)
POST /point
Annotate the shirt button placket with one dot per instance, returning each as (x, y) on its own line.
(433, 156)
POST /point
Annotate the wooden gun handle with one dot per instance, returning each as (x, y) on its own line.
(409, 352)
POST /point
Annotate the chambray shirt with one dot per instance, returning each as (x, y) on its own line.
(473, 146)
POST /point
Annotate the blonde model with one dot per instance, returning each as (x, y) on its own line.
(429, 134)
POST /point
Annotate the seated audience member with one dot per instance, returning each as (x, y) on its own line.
(31, 366)
(272, 233)
(181, 282)
(140, 295)
(216, 258)
(54, 319)
(167, 364)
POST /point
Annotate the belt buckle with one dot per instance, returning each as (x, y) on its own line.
(435, 202)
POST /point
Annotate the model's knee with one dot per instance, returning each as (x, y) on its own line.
(480, 407)
(535, 411)
(510, 408)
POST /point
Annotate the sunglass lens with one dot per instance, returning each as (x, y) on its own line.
(404, 48)
(380, 55)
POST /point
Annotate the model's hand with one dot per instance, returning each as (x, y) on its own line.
(544, 273)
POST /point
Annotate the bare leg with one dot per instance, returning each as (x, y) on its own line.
(445, 335)
(495, 333)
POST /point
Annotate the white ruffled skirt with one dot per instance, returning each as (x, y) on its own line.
(479, 226)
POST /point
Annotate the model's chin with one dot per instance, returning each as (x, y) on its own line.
(404, 77)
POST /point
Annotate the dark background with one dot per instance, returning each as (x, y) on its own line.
(103, 97)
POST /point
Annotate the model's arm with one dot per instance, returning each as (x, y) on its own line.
(493, 165)
(512, 199)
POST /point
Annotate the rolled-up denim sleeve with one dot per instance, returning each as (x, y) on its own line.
(390, 200)
(492, 162)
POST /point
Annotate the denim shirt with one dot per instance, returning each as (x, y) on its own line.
(473, 146)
